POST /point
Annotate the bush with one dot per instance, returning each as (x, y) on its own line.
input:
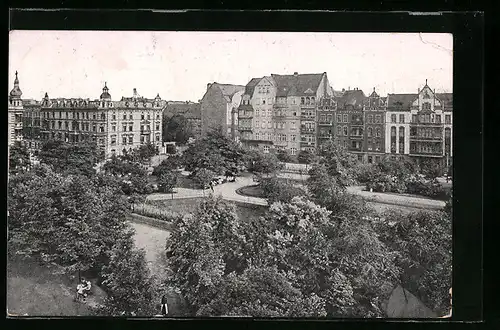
(279, 190)
(364, 173)
(155, 212)
(166, 182)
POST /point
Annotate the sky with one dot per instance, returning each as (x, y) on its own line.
(178, 65)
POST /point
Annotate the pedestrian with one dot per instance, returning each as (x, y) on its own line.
(164, 306)
(212, 186)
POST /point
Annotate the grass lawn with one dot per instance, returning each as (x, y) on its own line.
(252, 191)
(36, 290)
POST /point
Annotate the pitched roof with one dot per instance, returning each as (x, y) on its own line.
(250, 87)
(297, 84)
(351, 97)
(229, 90)
(446, 99)
(400, 101)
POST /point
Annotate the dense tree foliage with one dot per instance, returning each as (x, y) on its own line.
(280, 190)
(263, 163)
(79, 158)
(143, 154)
(172, 163)
(128, 282)
(424, 241)
(216, 153)
(284, 156)
(19, 158)
(176, 128)
(203, 177)
(306, 157)
(167, 181)
(79, 223)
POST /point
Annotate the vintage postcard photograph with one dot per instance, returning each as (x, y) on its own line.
(230, 174)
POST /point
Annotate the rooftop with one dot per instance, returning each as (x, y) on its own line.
(297, 84)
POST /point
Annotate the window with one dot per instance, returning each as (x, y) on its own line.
(157, 138)
(438, 119)
(414, 119)
(294, 125)
(130, 128)
(142, 116)
(402, 119)
(113, 140)
(266, 149)
(345, 131)
(339, 131)
(131, 117)
(345, 118)
(66, 125)
(293, 151)
(447, 119)
(302, 100)
(329, 118)
(377, 146)
(393, 118)
(370, 131)
(149, 116)
(157, 116)
(101, 129)
(113, 128)
(269, 112)
(114, 117)
(270, 124)
(94, 128)
(124, 128)
(256, 136)
(124, 117)
(124, 140)
(157, 127)
(370, 159)
(256, 123)
(426, 106)
(370, 119)
(131, 139)
(293, 137)
(263, 101)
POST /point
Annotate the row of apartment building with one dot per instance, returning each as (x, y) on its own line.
(116, 126)
(301, 111)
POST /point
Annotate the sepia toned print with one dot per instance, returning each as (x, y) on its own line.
(230, 174)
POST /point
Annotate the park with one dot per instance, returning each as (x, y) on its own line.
(331, 239)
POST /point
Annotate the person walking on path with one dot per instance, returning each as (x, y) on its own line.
(212, 186)
(164, 306)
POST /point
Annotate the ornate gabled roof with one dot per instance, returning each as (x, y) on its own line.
(105, 94)
(355, 98)
(400, 101)
(297, 84)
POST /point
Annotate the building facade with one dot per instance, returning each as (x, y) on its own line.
(374, 130)
(350, 122)
(15, 114)
(279, 112)
(32, 124)
(116, 126)
(219, 108)
(420, 126)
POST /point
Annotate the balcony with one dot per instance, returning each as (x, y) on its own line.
(246, 115)
(304, 116)
(356, 136)
(244, 129)
(425, 154)
(325, 123)
(417, 123)
(325, 136)
(426, 138)
(307, 143)
(308, 106)
(307, 130)
(145, 131)
(280, 105)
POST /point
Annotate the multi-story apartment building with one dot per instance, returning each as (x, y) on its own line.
(374, 129)
(31, 124)
(15, 112)
(415, 126)
(349, 121)
(326, 117)
(219, 108)
(116, 126)
(280, 111)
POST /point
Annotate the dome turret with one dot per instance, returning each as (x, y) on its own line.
(105, 95)
(16, 91)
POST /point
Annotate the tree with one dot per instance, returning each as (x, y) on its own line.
(337, 162)
(324, 186)
(203, 177)
(78, 158)
(280, 190)
(423, 240)
(143, 154)
(19, 158)
(284, 156)
(172, 163)
(306, 157)
(216, 153)
(430, 169)
(264, 163)
(176, 128)
(167, 181)
(203, 247)
(244, 295)
(72, 221)
(128, 283)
